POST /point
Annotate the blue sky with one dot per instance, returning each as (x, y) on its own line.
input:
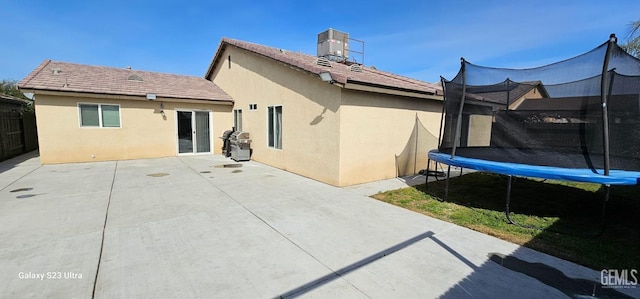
(419, 39)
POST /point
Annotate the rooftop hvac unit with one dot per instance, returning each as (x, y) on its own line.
(334, 45)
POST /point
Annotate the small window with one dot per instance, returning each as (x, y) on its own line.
(237, 119)
(274, 126)
(253, 107)
(99, 115)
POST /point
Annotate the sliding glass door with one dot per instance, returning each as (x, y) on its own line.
(194, 132)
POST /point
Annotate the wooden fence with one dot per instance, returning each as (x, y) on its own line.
(17, 133)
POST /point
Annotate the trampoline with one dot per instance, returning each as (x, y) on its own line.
(585, 175)
(574, 120)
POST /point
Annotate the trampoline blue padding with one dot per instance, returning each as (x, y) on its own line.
(615, 177)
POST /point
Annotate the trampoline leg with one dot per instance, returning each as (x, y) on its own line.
(446, 185)
(426, 180)
(506, 211)
(607, 190)
(435, 174)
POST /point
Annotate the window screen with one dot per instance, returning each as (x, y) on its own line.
(110, 116)
(237, 119)
(99, 115)
(89, 116)
(275, 126)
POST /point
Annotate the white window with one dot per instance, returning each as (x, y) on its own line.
(99, 115)
(237, 119)
(275, 126)
(253, 107)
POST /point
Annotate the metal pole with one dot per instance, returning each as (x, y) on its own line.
(444, 104)
(446, 185)
(508, 94)
(603, 217)
(603, 98)
(459, 120)
(415, 153)
(607, 191)
(506, 211)
(426, 180)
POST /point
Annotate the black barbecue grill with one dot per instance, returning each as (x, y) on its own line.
(226, 146)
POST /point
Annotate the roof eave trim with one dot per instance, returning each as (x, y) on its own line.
(216, 57)
(367, 86)
(72, 93)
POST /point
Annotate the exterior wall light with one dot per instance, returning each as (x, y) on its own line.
(151, 96)
(164, 116)
(326, 77)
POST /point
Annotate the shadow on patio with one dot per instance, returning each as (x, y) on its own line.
(565, 214)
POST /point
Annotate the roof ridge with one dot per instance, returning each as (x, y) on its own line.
(281, 50)
(402, 78)
(309, 63)
(35, 72)
(120, 68)
(84, 78)
(393, 75)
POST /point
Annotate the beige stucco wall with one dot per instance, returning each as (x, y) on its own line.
(479, 130)
(310, 113)
(535, 93)
(143, 132)
(479, 133)
(376, 128)
(331, 134)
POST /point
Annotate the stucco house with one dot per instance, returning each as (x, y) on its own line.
(356, 125)
(93, 113)
(338, 122)
(476, 127)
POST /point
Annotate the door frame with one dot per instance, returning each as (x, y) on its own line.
(195, 140)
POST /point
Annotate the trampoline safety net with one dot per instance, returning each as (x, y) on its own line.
(583, 112)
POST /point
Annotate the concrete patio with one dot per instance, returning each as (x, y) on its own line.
(188, 227)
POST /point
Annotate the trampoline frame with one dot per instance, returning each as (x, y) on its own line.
(606, 177)
(444, 159)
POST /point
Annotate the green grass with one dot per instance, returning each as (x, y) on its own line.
(566, 215)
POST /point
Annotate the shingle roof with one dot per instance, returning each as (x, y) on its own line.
(340, 73)
(497, 93)
(615, 103)
(516, 91)
(63, 76)
(5, 98)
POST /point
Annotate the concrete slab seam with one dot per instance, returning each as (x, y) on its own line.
(277, 231)
(106, 216)
(5, 187)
